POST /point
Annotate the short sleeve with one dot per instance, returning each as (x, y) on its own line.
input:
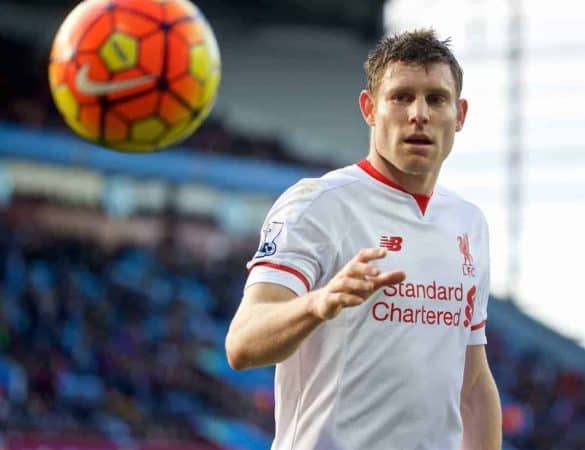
(477, 334)
(295, 243)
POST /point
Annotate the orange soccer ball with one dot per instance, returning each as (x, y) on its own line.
(135, 75)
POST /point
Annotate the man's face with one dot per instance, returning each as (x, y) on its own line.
(415, 114)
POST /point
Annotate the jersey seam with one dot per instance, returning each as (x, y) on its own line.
(339, 378)
(325, 190)
(299, 400)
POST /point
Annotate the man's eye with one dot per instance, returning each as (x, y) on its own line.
(401, 98)
(436, 99)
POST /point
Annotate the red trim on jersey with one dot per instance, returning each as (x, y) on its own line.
(478, 326)
(421, 200)
(290, 270)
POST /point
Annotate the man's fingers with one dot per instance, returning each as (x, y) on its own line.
(369, 254)
(345, 299)
(352, 285)
(388, 278)
(361, 270)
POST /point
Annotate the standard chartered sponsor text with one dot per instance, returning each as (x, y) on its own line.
(429, 291)
(391, 308)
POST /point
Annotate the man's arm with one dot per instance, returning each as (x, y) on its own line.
(480, 403)
(272, 321)
(268, 326)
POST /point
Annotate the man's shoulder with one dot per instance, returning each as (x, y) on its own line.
(308, 190)
(334, 179)
(452, 199)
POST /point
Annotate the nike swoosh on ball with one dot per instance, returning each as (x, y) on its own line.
(86, 86)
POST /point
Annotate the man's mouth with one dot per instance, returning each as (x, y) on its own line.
(418, 139)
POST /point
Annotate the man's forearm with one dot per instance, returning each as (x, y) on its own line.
(268, 333)
(482, 415)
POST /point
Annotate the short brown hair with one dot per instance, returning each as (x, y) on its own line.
(412, 47)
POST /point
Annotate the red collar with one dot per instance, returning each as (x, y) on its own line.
(421, 200)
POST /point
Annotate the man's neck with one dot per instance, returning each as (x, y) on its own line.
(412, 183)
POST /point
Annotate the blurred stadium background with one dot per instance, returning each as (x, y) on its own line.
(119, 273)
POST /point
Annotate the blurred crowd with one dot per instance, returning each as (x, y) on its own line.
(128, 343)
(543, 404)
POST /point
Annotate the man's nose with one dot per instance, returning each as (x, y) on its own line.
(419, 112)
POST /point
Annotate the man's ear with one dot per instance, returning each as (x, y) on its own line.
(462, 107)
(367, 107)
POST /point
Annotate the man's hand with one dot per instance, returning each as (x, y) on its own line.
(353, 284)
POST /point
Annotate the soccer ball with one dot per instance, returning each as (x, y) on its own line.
(134, 75)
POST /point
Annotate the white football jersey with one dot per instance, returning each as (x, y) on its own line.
(385, 375)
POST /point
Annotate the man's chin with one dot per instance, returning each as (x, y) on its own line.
(417, 168)
(414, 165)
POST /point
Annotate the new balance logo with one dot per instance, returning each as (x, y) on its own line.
(391, 243)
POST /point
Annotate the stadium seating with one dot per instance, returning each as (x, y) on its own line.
(119, 344)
